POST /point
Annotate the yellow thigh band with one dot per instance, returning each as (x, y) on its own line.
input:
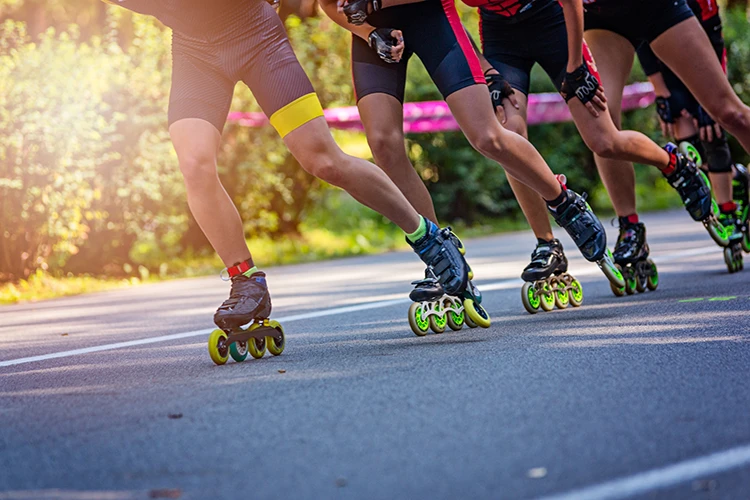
(296, 113)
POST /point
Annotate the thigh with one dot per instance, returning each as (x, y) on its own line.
(372, 75)
(200, 88)
(614, 56)
(195, 138)
(272, 72)
(442, 44)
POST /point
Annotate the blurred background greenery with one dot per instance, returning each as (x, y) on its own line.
(90, 191)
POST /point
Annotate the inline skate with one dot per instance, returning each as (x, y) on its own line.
(732, 220)
(741, 195)
(631, 256)
(548, 283)
(244, 327)
(446, 297)
(576, 217)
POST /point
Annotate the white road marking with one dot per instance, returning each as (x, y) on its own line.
(488, 287)
(663, 477)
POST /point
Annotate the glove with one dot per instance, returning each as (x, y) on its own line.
(357, 10)
(664, 109)
(499, 89)
(381, 41)
(581, 83)
(704, 120)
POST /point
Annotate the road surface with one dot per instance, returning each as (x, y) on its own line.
(113, 395)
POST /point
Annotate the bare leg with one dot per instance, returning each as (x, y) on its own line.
(196, 143)
(532, 205)
(685, 48)
(314, 148)
(472, 109)
(383, 117)
(614, 58)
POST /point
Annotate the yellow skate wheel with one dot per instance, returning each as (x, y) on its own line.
(530, 299)
(477, 313)
(548, 298)
(575, 292)
(277, 343)
(419, 324)
(562, 299)
(256, 347)
(619, 291)
(217, 347)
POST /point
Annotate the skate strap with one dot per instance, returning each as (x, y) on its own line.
(240, 268)
(728, 208)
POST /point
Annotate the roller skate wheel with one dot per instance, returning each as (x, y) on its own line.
(530, 299)
(619, 291)
(640, 282)
(562, 298)
(456, 321)
(548, 298)
(717, 231)
(612, 271)
(630, 280)
(238, 351)
(277, 343)
(746, 242)
(653, 278)
(477, 313)
(691, 153)
(469, 322)
(217, 347)
(439, 320)
(419, 324)
(575, 292)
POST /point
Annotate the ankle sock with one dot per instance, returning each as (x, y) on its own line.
(420, 232)
(542, 241)
(246, 268)
(729, 207)
(628, 220)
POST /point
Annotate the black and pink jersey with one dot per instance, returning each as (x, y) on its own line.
(506, 8)
(704, 9)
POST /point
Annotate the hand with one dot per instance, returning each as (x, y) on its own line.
(388, 43)
(582, 84)
(357, 10)
(707, 127)
(501, 93)
(664, 109)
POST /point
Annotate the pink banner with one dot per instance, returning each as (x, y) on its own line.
(434, 116)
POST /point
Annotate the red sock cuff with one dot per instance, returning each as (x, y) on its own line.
(671, 166)
(240, 268)
(632, 218)
(728, 207)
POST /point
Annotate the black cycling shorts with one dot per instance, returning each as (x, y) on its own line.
(514, 44)
(682, 98)
(254, 49)
(433, 31)
(636, 20)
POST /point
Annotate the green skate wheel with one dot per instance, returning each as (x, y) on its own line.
(630, 280)
(455, 319)
(640, 282)
(238, 351)
(729, 259)
(439, 320)
(419, 324)
(548, 298)
(691, 153)
(746, 243)
(612, 271)
(653, 278)
(562, 299)
(619, 291)
(717, 231)
(276, 344)
(530, 299)
(575, 292)
(217, 347)
(477, 313)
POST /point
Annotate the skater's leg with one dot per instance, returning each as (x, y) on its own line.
(383, 115)
(472, 109)
(614, 58)
(686, 49)
(314, 148)
(196, 142)
(532, 205)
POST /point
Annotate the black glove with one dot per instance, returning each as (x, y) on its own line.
(357, 10)
(382, 42)
(499, 89)
(704, 120)
(581, 83)
(664, 109)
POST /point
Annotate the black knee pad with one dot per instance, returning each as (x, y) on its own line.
(718, 156)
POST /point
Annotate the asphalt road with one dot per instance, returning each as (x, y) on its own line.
(645, 396)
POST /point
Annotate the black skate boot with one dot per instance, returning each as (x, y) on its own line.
(548, 283)
(243, 321)
(447, 272)
(631, 256)
(741, 195)
(691, 184)
(576, 217)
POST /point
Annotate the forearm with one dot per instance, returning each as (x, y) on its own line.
(573, 11)
(331, 9)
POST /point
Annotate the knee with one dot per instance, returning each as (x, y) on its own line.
(517, 127)
(734, 118)
(198, 168)
(387, 147)
(603, 146)
(325, 165)
(490, 143)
